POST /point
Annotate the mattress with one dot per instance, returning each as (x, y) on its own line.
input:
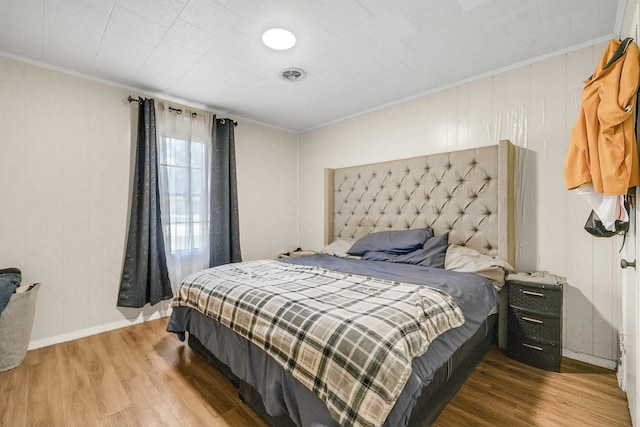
(281, 395)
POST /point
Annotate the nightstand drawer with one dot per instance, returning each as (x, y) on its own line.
(528, 324)
(536, 353)
(537, 298)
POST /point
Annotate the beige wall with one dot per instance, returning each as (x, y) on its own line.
(65, 159)
(535, 107)
(267, 161)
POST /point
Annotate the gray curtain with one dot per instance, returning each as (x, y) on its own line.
(145, 278)
(224, 231)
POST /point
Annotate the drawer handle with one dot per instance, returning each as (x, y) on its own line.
(533, 294)
(533, 347)
(531, 319)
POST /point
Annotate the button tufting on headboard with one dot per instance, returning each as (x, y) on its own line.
(455, 192)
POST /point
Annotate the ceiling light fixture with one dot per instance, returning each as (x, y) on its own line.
(279, 39)
(292, 74)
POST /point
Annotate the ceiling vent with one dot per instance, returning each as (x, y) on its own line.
(292, 74)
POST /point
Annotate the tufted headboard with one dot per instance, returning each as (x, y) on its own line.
(468, 193)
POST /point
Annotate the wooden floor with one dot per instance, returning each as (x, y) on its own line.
(504, 392)
(144, 376)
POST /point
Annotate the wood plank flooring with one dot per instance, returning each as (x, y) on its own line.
(143, 376)
(504, 392)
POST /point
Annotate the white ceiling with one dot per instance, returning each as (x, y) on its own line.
(358, 54)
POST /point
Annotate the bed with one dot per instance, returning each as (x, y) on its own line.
(302, 372)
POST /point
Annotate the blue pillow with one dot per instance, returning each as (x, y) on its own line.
(432, 254)
(392, 241)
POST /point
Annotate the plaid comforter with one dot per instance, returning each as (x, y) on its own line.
(350, 339)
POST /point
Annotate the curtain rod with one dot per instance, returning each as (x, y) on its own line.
(177, 110)
(222, 120)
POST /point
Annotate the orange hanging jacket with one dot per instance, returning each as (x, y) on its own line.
(603, 141)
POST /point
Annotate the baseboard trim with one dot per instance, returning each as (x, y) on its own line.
(592, 360)
(45, 342)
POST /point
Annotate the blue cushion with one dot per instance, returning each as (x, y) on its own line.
(392, 241)
(10, 279)
(432, 254)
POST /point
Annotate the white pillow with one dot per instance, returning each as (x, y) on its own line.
(338, 247)
(467, 260)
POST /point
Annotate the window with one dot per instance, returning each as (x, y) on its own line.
(184, 163)
(184, 151)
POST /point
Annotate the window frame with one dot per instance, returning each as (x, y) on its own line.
(179, 242)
